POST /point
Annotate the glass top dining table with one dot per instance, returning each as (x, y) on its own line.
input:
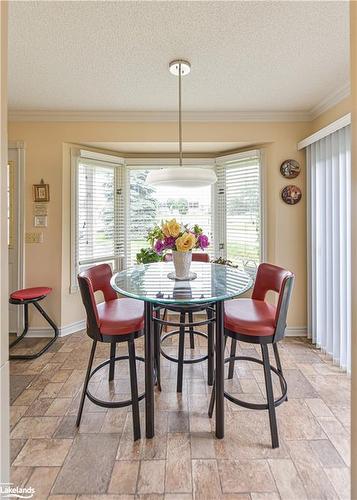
(150, 282)
(214, 284)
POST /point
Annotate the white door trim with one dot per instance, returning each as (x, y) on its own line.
(19, 147)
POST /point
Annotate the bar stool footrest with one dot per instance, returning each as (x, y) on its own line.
(257, 406)
(185, 361)
(112, 404)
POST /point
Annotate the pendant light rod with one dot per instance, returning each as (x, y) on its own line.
(180, 68)
(185, 177)
(180, 115)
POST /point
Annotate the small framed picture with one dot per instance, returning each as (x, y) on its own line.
(41, 192)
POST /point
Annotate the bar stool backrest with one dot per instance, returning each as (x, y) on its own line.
(196, 257)
(91, 280)
(281, 281)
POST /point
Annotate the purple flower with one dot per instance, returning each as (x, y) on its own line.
(203, 241)
(169, 242)
(159, 247)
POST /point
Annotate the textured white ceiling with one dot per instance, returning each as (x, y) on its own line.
(246, 56)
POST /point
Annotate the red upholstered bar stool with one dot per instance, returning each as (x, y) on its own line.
(112, 321)
(258, 322)
(24, 298)
(180, 360)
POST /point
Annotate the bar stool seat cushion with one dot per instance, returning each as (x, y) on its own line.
(120, 316)
(30, 293)
(250, 317)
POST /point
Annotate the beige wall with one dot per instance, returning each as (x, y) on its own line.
(47, 157)
(353, 31)
(4, 352)
(332, 114)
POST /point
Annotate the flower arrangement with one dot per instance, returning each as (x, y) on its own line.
(172, 235)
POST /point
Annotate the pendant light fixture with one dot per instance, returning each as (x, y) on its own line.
(181, 176)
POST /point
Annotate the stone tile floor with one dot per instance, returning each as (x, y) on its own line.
(184, 460)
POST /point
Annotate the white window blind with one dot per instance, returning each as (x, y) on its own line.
(329, 235)
(239, 211)
(150, 205)
(99, 214)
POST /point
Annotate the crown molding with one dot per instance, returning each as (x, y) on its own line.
(152, 116)
(18, 115)
(331, 100)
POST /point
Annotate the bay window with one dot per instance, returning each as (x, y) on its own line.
(114, 208)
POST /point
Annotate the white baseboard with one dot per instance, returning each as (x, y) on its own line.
(44, 331)
(296, 331)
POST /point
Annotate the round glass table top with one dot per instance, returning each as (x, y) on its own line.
(150, 283)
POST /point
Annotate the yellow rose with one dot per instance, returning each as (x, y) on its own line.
(171, 228)
(186, 242)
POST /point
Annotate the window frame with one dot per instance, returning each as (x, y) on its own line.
(118, 164)
(125, 165)
(223, 163)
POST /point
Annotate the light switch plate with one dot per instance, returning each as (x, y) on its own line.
(34, 237)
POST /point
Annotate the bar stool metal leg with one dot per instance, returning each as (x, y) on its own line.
(270, 397)
(26, 326)
(112, 361)
(210, 342)
(134, 390)
(219, 383)
(49, 321)
(157, 335)
(192, 337)
(149, 385)
(86, 381)
(232, 355)
(278, 365)
(181, 352)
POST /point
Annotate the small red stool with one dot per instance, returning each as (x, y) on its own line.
(24, 298)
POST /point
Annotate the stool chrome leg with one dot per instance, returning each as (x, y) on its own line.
(86, 381)
(112, 361)
(134, 390)
(192, 337)
(26, 326)
(278, 365)
(44, 349)
(232, 356)
(181, 352)
(157, 337)
(270, 397)
(210, 346)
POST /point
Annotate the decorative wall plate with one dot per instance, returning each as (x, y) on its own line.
(291, 194)
(290, 169)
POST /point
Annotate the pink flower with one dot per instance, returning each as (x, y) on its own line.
(159, 247)
(202, 241)
(169, 242)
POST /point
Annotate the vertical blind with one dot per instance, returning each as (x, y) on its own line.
(240, 219)
(329, 209)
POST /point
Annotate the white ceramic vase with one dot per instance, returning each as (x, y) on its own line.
(182, 262)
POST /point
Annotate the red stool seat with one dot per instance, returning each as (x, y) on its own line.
(120, 316)
(250, 317)
(30, 293)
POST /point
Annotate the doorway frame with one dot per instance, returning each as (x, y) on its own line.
(19, 148)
